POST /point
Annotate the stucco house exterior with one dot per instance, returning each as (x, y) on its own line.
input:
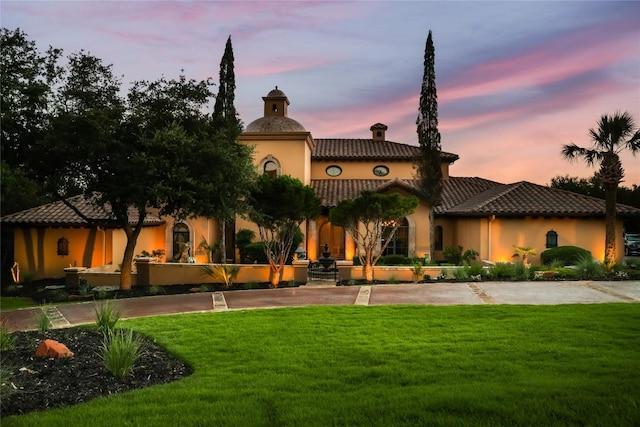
(478, 213)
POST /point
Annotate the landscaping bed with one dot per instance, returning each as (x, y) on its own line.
(44, 383)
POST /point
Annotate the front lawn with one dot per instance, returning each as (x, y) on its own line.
(12, 303)
(385, 366)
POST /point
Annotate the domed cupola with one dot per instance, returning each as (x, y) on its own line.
(275, 115)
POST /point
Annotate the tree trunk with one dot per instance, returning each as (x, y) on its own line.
(127, 259)
(367, 266)
(432, 232)
(275, 276)
(367, 269)
(610, 227)
(223, 242)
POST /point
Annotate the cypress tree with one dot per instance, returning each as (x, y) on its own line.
(226, 122)
(429, 172)
(225, 115)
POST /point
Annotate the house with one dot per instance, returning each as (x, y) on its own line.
(477, 213)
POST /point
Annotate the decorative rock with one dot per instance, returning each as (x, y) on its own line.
(53, 349)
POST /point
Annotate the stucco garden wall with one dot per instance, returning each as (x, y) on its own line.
(35, 250)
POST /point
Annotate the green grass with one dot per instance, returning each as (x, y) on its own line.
(12, 303)
(386, 366)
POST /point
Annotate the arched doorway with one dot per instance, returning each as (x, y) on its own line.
(181, 237)
(332, 235)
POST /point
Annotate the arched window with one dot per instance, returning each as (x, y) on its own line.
(181, 237)
(552, 239)
(399, 244)
(270, 166)
(438, 238)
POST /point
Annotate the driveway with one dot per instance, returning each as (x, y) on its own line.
(538, 292)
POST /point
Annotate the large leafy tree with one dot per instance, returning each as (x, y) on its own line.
(428, 162)
(154, 151)
(365, 219)
(279, 206)
(226, 122)
(613, 134)
(26, 78)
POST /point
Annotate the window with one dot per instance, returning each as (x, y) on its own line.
(381, 170)
(334, 170)
(399, 244)
(438, 238)
(63, 246)
(180, 239)
(271, 169)
(552, 239)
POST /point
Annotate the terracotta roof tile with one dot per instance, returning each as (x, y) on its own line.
(60, 215)
(480, 197)
(368, 149)
(528, 199)
(457, 190)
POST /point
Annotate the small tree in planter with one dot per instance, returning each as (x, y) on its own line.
(365, 218)
(278, 206)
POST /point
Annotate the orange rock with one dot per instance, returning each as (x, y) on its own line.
(53, 349)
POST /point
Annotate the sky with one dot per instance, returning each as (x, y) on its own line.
(516, 80)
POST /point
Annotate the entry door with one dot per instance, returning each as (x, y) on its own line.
(333, 236)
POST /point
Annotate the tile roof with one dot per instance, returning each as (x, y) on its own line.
(472, 196)
(57, 214)
(368, 149)
(528, 199)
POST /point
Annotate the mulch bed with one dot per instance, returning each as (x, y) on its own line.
(44, 383)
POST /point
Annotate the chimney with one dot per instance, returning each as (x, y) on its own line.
(378, 131)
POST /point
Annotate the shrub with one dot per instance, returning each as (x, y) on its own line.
(207, 288)
(475, 269)
(83, 287)
(250, 285)
(120, 351)
(452, 254)
(567, 273)
(225, 272)
(156, 290)
(566, 255)
(470, 256)
(244, 237)
(417, 268)
(393, 259)
(43, 323)
(501, 270)
(461, 273)
(7, 341)
(10, 290)
(588, 268)
(255, 254)
(520, 272)
(107, 315)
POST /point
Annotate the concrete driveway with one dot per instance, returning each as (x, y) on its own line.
(537, 292)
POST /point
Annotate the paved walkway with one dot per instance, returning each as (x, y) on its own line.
(573, 292)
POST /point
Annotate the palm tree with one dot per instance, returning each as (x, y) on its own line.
(609, 139)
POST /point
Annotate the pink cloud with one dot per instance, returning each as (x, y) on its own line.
(557, 60)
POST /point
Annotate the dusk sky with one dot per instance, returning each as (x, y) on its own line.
(516, 80)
